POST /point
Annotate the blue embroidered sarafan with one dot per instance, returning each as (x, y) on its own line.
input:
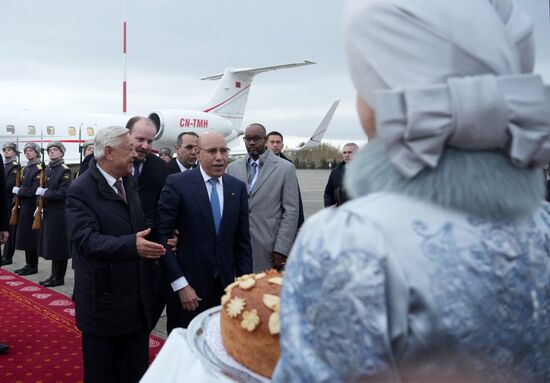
(391, 288)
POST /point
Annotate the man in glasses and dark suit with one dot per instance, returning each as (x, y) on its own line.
(187, 151)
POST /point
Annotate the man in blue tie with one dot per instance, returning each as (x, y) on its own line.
(210, 210)
(273, 199)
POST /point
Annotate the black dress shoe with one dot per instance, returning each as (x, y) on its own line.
(54, 282)
(6, 261)
(4, 348)
(46, 280)
(29, 271)
(19, 271)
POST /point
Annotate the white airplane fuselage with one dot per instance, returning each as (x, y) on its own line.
(74, 128)
(223, 114)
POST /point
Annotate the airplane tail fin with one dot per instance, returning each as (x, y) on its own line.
(315, 139)
(230, 96)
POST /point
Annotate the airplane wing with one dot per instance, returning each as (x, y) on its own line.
(317, 136)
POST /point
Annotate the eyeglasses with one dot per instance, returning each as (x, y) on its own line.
(255, 138)
(190, 147)
(214, 151)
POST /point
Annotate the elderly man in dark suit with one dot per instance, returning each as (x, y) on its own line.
(210, 210)
(112, 261)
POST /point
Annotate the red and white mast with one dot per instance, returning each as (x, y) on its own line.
(124, 56)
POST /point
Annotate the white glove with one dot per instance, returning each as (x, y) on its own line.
(40, 191)
(15, 190)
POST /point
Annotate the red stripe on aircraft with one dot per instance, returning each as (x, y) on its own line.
(229, 99)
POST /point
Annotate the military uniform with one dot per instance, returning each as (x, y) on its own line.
(11, 169)
(26, 238)
(54, 241)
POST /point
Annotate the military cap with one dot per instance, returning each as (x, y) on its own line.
(166, 151)
(86, 144)
(10, 145)
(33, 146)
(56, 144)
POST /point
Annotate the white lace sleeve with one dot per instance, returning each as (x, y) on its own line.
(334, 303)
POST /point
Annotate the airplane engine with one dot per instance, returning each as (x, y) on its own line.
(170, 123)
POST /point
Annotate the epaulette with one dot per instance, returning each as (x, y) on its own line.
(39, 166)
(65, 166)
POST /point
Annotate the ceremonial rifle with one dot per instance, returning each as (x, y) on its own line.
(15, 208)
(37, 222)
(80, 143)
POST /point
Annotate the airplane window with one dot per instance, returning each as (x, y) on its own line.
(90, 131)
(72, 131)
(10, 129)
(31, 129)
(50, 130)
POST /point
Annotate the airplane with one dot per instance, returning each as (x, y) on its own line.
(293, 143)
(224, 114)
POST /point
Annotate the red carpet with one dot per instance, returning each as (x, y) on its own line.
(39, 326)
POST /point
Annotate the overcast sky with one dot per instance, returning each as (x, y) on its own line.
(66, 55)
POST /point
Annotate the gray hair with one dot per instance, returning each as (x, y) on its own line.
(110, 136)
(353, 145)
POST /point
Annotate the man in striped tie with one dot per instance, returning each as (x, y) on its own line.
(210, 210)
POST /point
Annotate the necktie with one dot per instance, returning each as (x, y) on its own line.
(120, 190)
(136, 169)
(215, 203)
(251, 180)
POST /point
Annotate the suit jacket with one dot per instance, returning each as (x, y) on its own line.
(334, 190)
(150, 182)
(173, 167)
(112, 283)
(201, 254)
(301, 217)
(273, 206)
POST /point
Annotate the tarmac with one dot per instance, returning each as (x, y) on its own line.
(312, 186)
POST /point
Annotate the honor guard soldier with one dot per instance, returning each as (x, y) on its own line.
(165, 154)
(26, 238)
(53, 241)
(11, 170)
(88, 154)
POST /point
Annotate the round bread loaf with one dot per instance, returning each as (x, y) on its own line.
(250, 321)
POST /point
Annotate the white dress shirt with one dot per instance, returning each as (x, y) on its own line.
(182, 166)
(109, 178)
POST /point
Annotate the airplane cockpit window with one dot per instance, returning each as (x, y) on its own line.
(31, 129)
(50, 130)
(10, 129)
(90, 131)
(72, 131)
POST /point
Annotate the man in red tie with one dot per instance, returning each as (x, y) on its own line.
(113, 262)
